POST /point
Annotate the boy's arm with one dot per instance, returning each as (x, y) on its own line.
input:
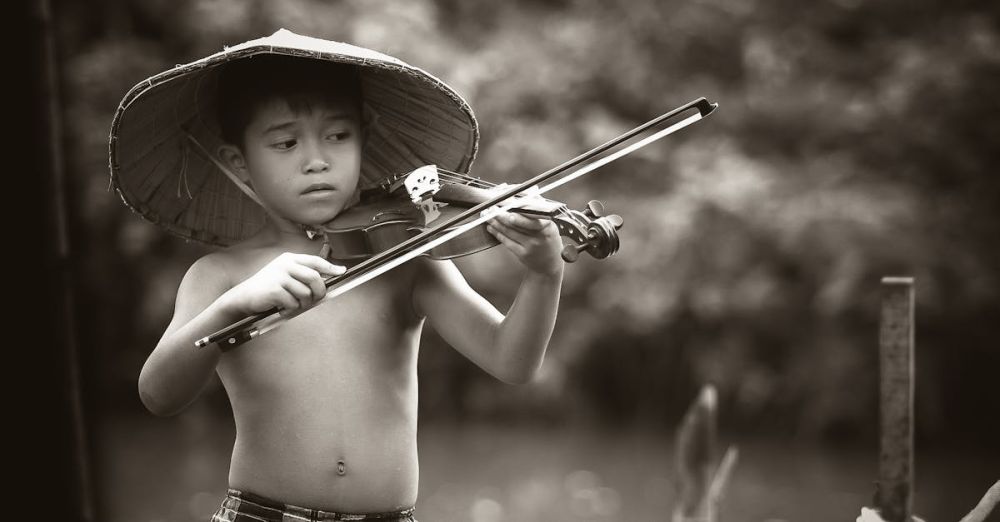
(176, 372)
(511, 347)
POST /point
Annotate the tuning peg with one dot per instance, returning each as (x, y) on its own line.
(615, 220)
(571, 252)
(594, 210)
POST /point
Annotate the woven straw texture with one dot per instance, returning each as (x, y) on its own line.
(414, 119)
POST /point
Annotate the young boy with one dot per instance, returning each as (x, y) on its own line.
(325, 406)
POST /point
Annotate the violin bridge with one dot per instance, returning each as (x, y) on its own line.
(422, 183)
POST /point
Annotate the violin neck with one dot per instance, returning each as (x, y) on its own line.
(463, 195)
(468, 196)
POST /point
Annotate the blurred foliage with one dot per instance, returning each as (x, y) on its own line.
(853, 140)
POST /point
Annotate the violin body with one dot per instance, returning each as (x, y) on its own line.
(365, 230)
(394, 217)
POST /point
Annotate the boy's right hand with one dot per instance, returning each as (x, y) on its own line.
(291, 282)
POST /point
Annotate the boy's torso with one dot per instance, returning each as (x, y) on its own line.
(326, 405)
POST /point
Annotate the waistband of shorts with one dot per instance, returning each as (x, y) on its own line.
(307, 514)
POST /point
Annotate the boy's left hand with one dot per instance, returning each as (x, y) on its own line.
(535, 242)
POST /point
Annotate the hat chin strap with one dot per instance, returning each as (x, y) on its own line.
(240, 184)
(310, 231)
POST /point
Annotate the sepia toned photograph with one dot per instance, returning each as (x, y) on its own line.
(549, 260)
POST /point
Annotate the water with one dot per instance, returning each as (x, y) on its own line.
(175, 469)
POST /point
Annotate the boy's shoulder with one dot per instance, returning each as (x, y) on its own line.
(225, 268)
(211, 271)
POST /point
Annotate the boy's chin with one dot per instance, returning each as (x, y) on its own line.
(315, 219)
(318, 219)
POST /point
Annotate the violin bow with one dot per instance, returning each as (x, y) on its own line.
(263, 322)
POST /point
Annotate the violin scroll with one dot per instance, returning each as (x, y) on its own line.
(601, 239)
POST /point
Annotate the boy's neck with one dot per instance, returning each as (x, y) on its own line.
(290, 237)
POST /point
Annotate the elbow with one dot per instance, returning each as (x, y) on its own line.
(154, 402)
(522, 375)
(156, 407)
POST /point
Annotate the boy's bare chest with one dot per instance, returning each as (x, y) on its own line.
(370, 330)
(385, 301)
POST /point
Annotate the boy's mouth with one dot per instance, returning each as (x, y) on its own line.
(318, 187)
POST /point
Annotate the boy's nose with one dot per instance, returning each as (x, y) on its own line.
(316, 164)
(316, 159)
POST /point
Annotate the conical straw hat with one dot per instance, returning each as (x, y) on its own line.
(166, 128)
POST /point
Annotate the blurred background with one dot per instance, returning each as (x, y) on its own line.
(853, 140)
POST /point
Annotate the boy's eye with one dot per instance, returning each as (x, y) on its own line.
(338, 136)
(284, 144)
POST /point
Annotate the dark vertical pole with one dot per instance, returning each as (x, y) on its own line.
(896, 399)
(60, 304)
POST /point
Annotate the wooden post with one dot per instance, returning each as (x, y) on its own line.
(718, 485)
(695, 452)
(699, 489)
(895, 487)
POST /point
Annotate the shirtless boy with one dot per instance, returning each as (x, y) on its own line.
(326, 406)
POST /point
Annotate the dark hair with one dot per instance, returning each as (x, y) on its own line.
(247, 83)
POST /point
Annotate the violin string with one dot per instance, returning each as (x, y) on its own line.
(451, 173)
(452, 179)
(465, 180)
(455, 174)
(459, 178)
(464, 177)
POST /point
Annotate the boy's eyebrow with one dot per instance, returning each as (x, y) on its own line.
(279, 126)
(288, 124)
(337, 116)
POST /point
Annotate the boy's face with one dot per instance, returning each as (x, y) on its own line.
(304, 165)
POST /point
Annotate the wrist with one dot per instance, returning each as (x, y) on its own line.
(228, 306)
(550, 276)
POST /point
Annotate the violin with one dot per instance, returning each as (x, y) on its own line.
(405, 206)
(362, 235)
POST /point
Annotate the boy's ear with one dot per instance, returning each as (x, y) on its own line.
(233, 158)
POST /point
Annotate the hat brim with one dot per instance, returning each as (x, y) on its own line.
(413, 119)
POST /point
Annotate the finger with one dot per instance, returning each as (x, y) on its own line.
(311, 278)
(512, 233)
(317, 289)
(299, 291)
(287, 303)
(524, 223)
(319, 264)
(515, 247)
